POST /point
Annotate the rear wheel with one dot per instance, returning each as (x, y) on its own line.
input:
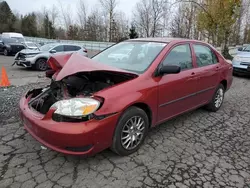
(130, 132)
(217, 100)
(41, 64)
(5, 52)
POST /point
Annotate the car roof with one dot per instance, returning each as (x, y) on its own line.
(164, 39)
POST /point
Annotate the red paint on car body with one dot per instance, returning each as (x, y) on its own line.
(165, 96)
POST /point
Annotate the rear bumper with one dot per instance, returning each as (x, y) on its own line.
(84, 138)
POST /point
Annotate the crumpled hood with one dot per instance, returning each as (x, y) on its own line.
(69, 64)
(29, 51)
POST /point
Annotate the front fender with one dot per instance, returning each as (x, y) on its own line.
(116, 104)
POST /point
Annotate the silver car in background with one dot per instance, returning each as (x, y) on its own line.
(37, 59)
(241, 62)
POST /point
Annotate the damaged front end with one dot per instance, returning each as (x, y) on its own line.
(72, 97)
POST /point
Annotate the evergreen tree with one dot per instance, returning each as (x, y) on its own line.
(132, 32)
(7, 18)
(72, 32)
(28, 25)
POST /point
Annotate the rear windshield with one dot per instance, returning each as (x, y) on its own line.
(13, 40)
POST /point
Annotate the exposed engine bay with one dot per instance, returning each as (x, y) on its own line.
(80, 84)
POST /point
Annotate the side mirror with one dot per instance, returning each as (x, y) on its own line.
(169, 69)
(1, 42)
(240, 49)
(52, 51)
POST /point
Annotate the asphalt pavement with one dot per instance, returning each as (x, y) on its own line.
(199, 149)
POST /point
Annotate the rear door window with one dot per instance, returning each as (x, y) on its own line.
(204, 55)
(69, 48)
(77, 48)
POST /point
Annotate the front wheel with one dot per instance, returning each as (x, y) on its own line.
(217, 100)
(5, 52)
(130, 132)
(41, 64)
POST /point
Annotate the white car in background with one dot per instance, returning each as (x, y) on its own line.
(37, 59)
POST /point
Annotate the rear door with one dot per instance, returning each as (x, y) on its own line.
(177, 91)
(208, 71)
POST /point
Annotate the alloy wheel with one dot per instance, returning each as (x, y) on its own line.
(132, 132)
(5, 52)
(219, 98)
(42, 65)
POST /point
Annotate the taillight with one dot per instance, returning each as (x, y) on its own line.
(50, 73)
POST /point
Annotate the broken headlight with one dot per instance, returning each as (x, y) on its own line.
(76, 107)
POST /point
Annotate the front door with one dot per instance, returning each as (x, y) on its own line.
(177, 92)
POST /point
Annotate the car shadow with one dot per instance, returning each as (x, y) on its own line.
(241, 76)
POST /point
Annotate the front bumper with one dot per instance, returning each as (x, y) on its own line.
(84, 138)
(241, 68)
(23, 61)
(241, 71)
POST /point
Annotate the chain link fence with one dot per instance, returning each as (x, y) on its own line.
(99, 46)
(90, 45)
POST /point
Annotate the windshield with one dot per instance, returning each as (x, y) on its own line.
(132, 56)
(31, 44)
(47, 47)
(247, 49)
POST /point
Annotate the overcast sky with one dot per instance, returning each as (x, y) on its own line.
(25, 6)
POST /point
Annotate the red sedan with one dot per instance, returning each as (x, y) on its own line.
(112, 99)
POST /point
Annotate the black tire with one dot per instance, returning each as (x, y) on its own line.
(235, 73)
(41, 64)
(5, 52)
(117, 145)
(212, 106)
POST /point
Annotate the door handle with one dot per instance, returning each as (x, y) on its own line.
(192, 73)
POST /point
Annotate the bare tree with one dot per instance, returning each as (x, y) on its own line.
(121, 27)
(157, 14)
(184, 22)
(66, 15)
(53, 14)
(82, 13)
(149, 16)
(109, 6)
(95, 26)
(245, 22)
(142, 17)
